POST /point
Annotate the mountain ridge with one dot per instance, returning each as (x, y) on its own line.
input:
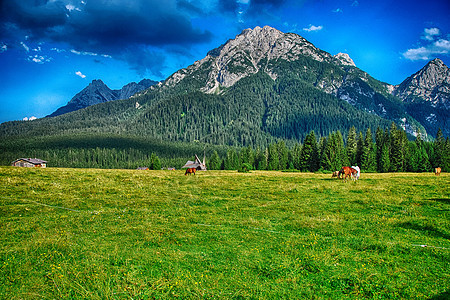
(262, 86)
(98, 92)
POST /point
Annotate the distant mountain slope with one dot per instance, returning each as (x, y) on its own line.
(288, 55)
(427, 95)
(98, 92)
(262, 86)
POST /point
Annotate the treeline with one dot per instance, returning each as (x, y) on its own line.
(103, 151)
(387, 150)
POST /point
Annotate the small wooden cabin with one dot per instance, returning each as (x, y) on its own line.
(29, 163)
(197, 164)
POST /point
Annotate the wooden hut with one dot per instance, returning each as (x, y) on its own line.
(199, 165)
(29, 163)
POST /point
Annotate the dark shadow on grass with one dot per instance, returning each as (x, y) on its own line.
(443, 200)
(424, 228)
(443, 296)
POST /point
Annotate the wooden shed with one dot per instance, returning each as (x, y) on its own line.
(199, 165)
(29, 163)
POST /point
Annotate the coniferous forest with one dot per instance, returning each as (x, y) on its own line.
(384, 150)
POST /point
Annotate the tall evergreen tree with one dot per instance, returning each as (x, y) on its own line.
(368, 162)
(273, 159)
(385, 162)
(309, 154)
(296, 155)
(351, 146)
(379, 143)
(359, 148)
(396, 156)
(424, 162)
(215, 161)
(282, 155)
(439, 149)
(231, 161)
(333, 156)
(260, 160)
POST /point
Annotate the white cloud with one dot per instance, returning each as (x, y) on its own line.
(39, 59)
(440, 47)
(3, 48)
(313, 28)
(29, 119)
(89, 53)
(58, 50)
(80, 74)
(71, 7)
(434, 46)
(429, 33)
(25, 46)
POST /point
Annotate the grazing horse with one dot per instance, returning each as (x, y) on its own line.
(335, 174)
(347, 172)
(437, 171)
(190, 171)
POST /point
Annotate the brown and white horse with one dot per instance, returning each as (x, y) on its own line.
(437, 171)
(347, 172)
(190, 171)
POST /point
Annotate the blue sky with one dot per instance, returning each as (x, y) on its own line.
(52, 49)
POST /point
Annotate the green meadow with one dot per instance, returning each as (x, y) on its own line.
(129, 234)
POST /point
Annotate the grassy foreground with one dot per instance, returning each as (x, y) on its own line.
(128, 234)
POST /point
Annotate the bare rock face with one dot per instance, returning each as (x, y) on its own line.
(250, 52)
(430, 84)
(345, 59)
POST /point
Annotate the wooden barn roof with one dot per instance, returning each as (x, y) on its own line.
(34, 161)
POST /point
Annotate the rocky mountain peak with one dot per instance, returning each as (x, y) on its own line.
(345, 59)
(98, 92)
(431, 83)
(249, 52)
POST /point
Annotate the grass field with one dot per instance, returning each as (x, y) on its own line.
(128, 234)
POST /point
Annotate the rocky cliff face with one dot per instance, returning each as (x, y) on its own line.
(430, 84)
(252, 51)
(98, 92)
(427, 95)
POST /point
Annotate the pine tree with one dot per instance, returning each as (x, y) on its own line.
(282, 155)
(439, 149)
(309, 154)
(215, 161)
(424, 162)
(155, 162)
(396, 156)
(333, 155)
(351, 146)
(296, 155)
(260, 160)
(231, 161)
(273, 159)
(379, 143)
(368, 162)
(359, 148)
(385, 162)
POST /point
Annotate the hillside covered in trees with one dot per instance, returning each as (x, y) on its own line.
(264, 92)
